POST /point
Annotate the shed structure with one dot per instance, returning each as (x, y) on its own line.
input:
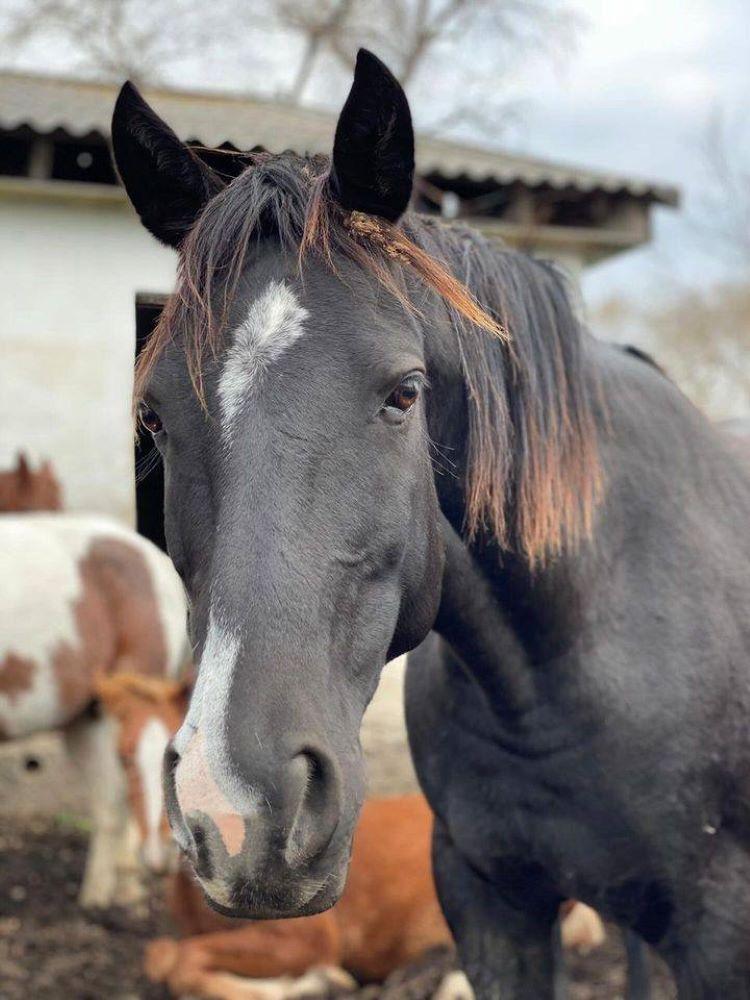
(76, 261)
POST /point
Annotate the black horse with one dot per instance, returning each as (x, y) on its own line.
(374, 426)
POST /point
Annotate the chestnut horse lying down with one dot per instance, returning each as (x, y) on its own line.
(83, 599)
(387, 917)
(24, 489)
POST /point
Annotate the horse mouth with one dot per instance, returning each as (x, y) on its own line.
(301, 899)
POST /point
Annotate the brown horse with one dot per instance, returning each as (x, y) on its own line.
(25, 489)
(83, 599)
(387, 917)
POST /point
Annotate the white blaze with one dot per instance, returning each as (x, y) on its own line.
(275, 320)
(209, 712)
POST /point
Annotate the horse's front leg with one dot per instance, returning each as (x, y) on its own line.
(508, 953)
(92, 745)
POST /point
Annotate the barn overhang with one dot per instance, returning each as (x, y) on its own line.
(54, 145)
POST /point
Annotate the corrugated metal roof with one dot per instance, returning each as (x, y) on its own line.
(80, 107)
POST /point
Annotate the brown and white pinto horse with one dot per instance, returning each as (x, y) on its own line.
(25, 489)
(83, 599)
(387, 917)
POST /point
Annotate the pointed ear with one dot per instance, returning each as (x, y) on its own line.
(165, 180)
(373, 152)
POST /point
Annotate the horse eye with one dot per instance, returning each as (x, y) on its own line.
(405, 395)
(150, 419)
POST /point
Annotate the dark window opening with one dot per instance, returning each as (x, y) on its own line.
(15, 152)
(85, 161)
(486, 199)
(570, 211)
(149, 472)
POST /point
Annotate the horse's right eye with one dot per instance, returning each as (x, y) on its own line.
(150, 419)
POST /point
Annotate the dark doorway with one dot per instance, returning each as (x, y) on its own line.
(149, 472)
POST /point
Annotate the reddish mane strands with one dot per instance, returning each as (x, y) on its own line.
(314, 223)
(154, 689)
(533, 478)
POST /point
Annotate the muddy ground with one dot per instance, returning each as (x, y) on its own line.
(50, 949)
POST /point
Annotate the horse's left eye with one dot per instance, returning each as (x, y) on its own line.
(150, 419)
(405, 395)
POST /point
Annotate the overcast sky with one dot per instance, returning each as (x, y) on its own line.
(634, 95)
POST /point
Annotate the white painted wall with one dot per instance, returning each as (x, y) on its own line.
(69, 273)
(70, 267)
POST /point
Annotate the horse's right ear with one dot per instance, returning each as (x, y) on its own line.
(165, 180)
(372, 169)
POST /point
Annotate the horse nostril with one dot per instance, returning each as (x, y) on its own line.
(171, 758)
(202, 863)
(318, 809)
(317, 781)
(171, 805)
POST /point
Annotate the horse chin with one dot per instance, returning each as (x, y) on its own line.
(302, 898)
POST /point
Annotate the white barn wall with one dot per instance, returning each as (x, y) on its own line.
(71, 268)
(73, 259)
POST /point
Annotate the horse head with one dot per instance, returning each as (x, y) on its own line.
(286, 388)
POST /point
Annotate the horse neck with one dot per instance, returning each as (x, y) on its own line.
(498, 613)
(506, 622)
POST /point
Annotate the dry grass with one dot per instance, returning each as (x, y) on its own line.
(702, 339)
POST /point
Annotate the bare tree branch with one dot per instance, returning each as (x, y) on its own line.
(423, 41)
(722, 222)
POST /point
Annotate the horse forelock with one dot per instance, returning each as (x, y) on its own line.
(140, 686)
(533, 478)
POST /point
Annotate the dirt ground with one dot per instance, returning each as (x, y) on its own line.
(50, 949)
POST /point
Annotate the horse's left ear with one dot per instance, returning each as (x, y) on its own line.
(165, 180)
(373, 152)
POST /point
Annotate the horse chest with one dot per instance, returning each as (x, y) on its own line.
(540, 799)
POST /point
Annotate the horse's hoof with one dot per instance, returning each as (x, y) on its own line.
(455, 986)
(131, 891)
(582, 929)
(94, 899)
(325, 981)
